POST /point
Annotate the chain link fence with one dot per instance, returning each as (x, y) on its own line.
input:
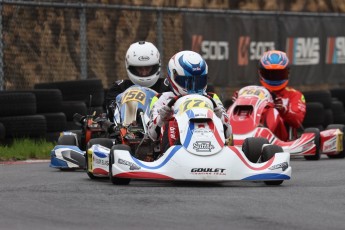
(48, 42)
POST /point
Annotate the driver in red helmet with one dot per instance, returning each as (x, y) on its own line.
(273, 71)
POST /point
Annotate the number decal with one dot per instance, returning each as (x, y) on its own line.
(194, 103)
(254, 92)
(134, 95)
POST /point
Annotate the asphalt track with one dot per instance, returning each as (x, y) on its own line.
(34, 196)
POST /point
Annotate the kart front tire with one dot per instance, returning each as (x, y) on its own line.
(267, 153)
(117, 180)
(252, 148)
(274, 182)
(269, 150)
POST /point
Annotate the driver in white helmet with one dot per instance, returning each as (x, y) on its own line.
(187, 74)
(143, 67)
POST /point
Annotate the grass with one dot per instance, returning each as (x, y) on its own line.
(24, 149)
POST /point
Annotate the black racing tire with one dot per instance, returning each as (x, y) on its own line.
(29, 126)
(56, 122)
(317, 156)
(48, 100)
(78, 90)
(2, 131)
(252, 147)
(342, 153)
(274, 182)
(338, 112)
(117, 180)
(17, 103)
(67, 140)
(100, 141)
(338, 93)
(69, 108)
(315, 114)
(329, 118)
(322, 96)
(79, 134)
(268, 152)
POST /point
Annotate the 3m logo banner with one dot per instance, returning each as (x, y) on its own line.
(303, 50)
(335, 50)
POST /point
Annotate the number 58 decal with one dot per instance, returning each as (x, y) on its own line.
(134, 95)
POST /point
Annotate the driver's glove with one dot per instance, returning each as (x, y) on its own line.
(218, 111)
(279, 105)
(165, 114)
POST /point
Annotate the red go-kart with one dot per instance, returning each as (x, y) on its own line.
(254, 109)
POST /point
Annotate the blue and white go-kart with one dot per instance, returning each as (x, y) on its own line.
(198, 152)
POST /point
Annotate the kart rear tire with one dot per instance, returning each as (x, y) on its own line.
(317, 143)
(117, 180)
(252, 147)
(100, 141)
(269, 150)
(342, 153)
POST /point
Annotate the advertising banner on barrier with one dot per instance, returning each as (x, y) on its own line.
(232, 46)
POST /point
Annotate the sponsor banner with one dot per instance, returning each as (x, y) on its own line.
(232, 45)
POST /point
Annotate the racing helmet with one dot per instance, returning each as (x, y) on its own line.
(274, 70)
(187, 73)
(145, 55)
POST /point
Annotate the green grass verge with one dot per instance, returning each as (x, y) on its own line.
(23, 149)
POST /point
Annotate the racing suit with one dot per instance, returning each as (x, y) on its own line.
(120, 86)
(155, 131)
(293, 116)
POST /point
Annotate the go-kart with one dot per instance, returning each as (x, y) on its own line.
(131, 113)
(249, 117)
(198, 152)
(69, 153)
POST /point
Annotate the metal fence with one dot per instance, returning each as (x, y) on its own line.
(50, 41)
(43, 41)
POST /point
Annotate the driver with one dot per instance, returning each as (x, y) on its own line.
(187, 74)
(143, 67)
(274, 72)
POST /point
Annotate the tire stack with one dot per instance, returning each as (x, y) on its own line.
(49, 104)
(338, 102)
(78, 96)
(319, 109)
(18, 116)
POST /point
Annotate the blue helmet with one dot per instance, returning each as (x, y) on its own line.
(187, 73)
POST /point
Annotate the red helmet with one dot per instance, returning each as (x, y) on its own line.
(274, 70)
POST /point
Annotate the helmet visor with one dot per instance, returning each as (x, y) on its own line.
(143, 71)
(274, 75)
(193, 84)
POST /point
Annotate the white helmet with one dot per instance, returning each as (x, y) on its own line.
(143, 54)
(187, 73)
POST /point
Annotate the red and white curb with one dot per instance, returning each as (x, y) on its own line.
(23, 162)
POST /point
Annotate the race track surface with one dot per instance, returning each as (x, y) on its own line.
(34, 196)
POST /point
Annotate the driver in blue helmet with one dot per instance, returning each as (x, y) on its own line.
(187, 74)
